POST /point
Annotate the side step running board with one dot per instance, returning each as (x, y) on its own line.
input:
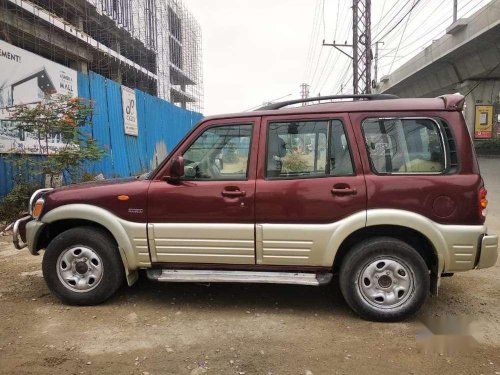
(217, 276)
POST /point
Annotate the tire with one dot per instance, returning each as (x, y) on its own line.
(384, 279)
(82, 266)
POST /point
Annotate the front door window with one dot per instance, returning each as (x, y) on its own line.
(219, 153)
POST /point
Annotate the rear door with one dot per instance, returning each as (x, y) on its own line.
(309, 180)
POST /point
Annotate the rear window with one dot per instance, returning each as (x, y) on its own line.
(405, 146)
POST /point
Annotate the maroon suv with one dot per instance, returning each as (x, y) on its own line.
(384, 192)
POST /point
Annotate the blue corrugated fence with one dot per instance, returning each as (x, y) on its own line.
(161, 125)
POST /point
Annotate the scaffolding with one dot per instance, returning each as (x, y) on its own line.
(151, 45)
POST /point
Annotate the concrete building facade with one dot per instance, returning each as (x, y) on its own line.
(151, 45)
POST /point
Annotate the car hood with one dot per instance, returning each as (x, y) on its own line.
(94, 184)
(104, 194)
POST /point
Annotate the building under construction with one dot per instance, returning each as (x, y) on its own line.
(151, 45)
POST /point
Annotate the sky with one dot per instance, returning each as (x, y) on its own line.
(257, 51)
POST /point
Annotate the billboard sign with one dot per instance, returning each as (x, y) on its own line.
(129, 111)
(483, 122)
(27, 78)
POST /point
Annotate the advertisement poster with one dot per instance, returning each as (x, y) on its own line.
(483, 123)
(129, 111)
(26, 78)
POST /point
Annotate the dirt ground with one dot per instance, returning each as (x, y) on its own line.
(243, 329)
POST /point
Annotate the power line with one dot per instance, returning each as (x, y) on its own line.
(377, 25)
(424, 31)
(312, 42)
(332, 57)
(315, 40)
(479, 82)
(401, 20)
(337, 20)
(387, 25)
(434, 35)
(382, 13)
(323, 11)
(402, 35)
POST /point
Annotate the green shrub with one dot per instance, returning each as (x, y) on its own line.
(488, 144)
(14, 204)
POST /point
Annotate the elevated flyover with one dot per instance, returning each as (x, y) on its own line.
(466, 60)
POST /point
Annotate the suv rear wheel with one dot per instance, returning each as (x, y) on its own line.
(384, 279)
(81, 266)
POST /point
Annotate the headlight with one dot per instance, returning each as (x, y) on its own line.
(37, 208)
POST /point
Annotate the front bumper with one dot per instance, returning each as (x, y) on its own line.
(19, 232)
(33, 230)
(488, 252)
(26, 232)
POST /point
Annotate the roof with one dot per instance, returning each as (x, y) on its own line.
(442, 103)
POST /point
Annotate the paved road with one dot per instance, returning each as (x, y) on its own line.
(242, 329)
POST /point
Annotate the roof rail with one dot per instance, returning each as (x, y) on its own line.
(319, 98)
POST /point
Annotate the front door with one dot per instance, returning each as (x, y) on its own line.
(209, 215)
(309, 182)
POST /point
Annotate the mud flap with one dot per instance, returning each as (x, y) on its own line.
(435, 282)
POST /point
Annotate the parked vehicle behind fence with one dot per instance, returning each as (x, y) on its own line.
(384, 192)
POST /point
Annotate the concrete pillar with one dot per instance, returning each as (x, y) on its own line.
(116, 73)
(80, 66)
(78, 22)
(116, 70)
(486, 92)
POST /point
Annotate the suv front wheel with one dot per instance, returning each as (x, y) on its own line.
(82, 266)
(384, 279)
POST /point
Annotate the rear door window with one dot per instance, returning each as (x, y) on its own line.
(303, 149)
(404, 146)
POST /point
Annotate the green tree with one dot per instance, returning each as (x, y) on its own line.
(58, 117)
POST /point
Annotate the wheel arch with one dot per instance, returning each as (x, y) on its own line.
(419, 241)
(412, 237)
(73, 215)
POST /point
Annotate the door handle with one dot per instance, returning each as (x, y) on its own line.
(344, 191)
(233, 193)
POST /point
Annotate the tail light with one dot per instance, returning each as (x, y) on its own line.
(482, 202)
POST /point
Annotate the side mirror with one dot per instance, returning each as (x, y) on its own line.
(176, 169)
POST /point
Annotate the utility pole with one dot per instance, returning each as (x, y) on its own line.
(375, 78)
(455, 5)
(361, 41)
(361, 46)
(304, 91)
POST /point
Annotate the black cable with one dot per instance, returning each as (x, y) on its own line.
(479, 82)
(400, 40)
(312, 43)
(401, 20)
(383, 28)
(385, 15)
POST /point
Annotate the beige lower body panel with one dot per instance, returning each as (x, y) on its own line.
(203, 243)
(456, 245)
(304, 244)
(462, 246)
(137, 235)
(293, 244)
(489, 252)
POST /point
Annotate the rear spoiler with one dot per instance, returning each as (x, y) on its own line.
(453, 102)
